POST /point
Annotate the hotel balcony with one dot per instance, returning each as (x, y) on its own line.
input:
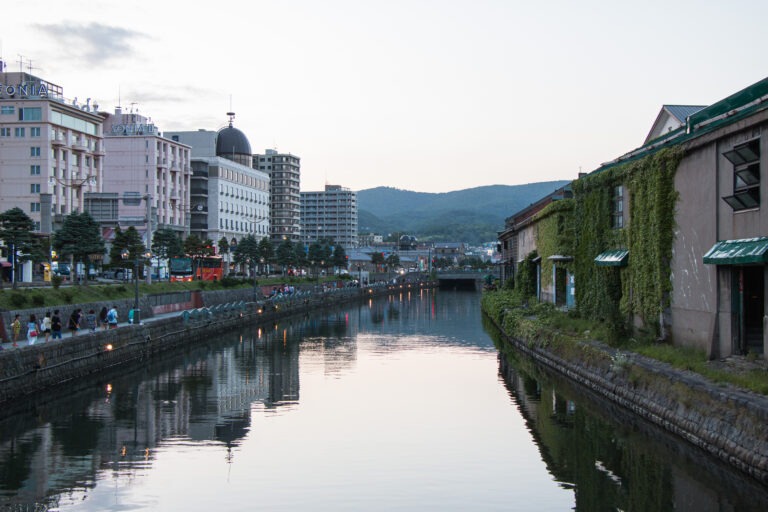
(79, 145)
(58, 141)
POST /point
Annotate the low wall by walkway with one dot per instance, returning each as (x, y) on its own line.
(33, 369)
(727, 422)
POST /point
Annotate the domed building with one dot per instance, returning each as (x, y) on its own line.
(229, 198)
(232, 144)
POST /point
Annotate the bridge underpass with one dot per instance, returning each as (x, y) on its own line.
(460, 280)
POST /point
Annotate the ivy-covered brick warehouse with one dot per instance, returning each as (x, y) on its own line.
(670, 237)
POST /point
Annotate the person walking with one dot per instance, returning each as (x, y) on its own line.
(112, 318)
(32, 330)
(16, 329)
(56, 325)
(46, 326)
(74, 322)
(91, 320)
(103, 317)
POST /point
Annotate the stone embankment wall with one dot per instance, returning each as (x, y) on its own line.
(149, 305)
(727, 422)
(32, 369)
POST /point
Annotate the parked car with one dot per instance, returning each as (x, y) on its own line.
(61, 269)
(118, 273)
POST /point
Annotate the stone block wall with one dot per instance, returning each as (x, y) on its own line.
(32, 369)
(727, 422)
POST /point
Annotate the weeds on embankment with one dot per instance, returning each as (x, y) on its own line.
(568, 335)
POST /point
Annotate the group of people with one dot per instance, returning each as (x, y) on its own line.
(51, 325)
(284, 289)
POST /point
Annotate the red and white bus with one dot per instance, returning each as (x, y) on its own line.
(207, 268)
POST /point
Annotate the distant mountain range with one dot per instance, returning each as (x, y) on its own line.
(473, 215)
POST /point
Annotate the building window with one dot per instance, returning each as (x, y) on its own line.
(18, 132)
(617, 210)
(34, 170)
(34, 131)
(34, 207)
(34, 188)
(746, 175)
(7, 109)
(5, 132)
(37, 225)
(31, 114)
(34, 151)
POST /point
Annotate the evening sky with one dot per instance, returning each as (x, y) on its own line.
(421, 95)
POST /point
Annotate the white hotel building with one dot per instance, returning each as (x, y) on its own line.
(229, 197)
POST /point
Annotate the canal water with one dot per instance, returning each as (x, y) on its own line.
(401, 403)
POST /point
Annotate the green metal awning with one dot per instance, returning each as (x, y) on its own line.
(614, 258)
(738, 252)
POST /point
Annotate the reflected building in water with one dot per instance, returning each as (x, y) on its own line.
(610, 468)
(208, 396)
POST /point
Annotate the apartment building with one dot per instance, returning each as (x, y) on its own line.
(284, 170)
(331, 213)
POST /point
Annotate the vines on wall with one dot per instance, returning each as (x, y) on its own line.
(554, 235)
(525, 279)
(613, 294)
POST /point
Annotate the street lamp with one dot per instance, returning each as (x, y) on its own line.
(75, 183)
(359, 276)
(136, 311)
(255, 278)
(230, 252)
(322, 265)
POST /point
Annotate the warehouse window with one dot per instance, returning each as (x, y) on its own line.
(746, 175)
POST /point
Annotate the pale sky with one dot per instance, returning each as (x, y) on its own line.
(430, 96)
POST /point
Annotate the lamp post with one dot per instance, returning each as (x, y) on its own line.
(136, 311)
(359, 276)
(255, 278)
(232, 248)
(322, 265)
(74, 183)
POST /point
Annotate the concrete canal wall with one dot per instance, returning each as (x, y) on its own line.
(33, 369)
(727, 422)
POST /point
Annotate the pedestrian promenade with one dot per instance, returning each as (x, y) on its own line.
(65, 333)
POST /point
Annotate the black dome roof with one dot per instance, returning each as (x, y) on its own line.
(231, 141)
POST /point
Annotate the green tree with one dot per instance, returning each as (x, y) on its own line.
(392, 261)
(129, 239)
(301, 256)
(285, 254)
(339, 257)
(248, 252)
(78, 239)
(315, 252)
(224, 250)
(267, 250)
(377, 259)
(166, 243)
(197, 249)
(16, 232)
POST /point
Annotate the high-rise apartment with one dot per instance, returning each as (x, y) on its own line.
(331, 213)
(284, 171)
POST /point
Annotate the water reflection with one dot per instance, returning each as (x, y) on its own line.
(613, 460)
(397, 403)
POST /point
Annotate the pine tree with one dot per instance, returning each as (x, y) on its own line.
(16, 232)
